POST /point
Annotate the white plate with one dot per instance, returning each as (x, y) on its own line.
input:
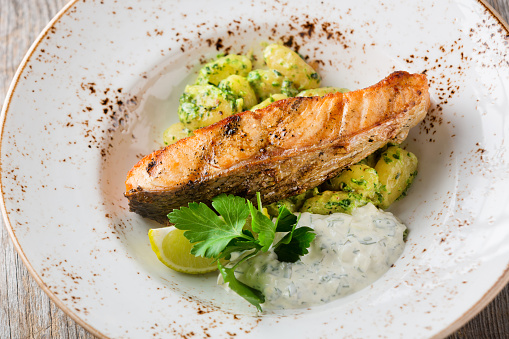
(102, 82)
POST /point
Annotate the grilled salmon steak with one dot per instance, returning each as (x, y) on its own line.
(281, 150)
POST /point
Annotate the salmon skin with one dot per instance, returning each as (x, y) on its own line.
(282, 150)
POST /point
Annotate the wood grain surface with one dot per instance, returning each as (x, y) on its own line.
(25, 311)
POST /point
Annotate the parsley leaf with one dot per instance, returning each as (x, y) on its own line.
(262, 225)
(239, 245)
(285, 220)
(233, 209)
(294, 244)
(252, 295)
(211, 233)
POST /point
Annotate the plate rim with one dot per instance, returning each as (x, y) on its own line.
(475, 309)
(7, 223)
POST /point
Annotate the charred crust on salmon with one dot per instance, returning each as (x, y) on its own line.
(281, 150)
(150, 165)
(296, 104)
(232, 126)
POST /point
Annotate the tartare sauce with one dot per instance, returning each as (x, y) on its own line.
(349, 253)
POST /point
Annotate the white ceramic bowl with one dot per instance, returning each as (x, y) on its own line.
(102, 82)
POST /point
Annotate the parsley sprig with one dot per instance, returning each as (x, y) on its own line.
(218, 236)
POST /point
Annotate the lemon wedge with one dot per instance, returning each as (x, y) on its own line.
(174, 250)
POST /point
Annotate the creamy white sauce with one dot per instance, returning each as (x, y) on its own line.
(349, 253)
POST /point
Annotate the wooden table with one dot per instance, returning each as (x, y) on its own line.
(26, 312)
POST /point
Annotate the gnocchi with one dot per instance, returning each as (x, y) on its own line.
(381, 178)
(320, 92)
(203, 105)
(396, 170)
(294, 203)
(292, 66)
(270, 100)
(329, 202)
(358, 178)
(238, 87)
(217, 70)
(176, 132)
(266, 82)
(228, 85)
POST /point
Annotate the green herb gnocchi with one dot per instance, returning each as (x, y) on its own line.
(203, 105)
(320, 92)
(396, 169)
(329, 202)
(228, 85)
(385, 180)
(292, 66)
(271, 99)
(267, 82)
(176, 132)
(293, 204)
(358, 178)
(215, 71)
(238, 88)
